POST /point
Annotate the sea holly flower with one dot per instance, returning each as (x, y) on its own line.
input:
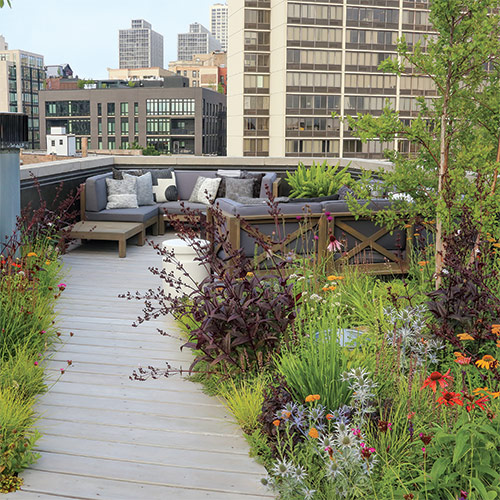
(437, 378)
(487, 362)
(450, 399)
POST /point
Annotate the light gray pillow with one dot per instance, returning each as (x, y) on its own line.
(239, 188)
(122, 194)
(205, 190)
(144, 189)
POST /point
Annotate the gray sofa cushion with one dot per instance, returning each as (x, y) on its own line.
(341, 206)
(140, 214)
(235, 208)
(186, 180)
(267, 182)
(96, 195)
(174, 207)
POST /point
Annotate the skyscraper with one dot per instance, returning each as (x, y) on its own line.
(198, 41)
(218, 23)
(22, 75)
(292, 63)
(140, 46)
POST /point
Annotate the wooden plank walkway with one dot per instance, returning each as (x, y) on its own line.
(106, 437)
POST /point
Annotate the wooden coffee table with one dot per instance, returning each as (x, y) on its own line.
(110, 231)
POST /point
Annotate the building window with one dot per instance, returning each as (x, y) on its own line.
(111, 126)
(136, 108)
(99, 109)
(99, 143)
(195, 83)
(124, 126)
(53, 143)
(111, 109)
(111, 143)
(124, 108)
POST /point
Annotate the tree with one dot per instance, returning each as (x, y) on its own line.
(456, 136)
(2, 3)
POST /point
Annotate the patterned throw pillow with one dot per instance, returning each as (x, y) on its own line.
(166, 190)
(239, 188)
(122, 194)
(345, 191)
(257, 176)
(118, 174)
(205, 190)
(144, 189)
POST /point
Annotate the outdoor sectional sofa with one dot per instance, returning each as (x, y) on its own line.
(365, 245)
(94, 199)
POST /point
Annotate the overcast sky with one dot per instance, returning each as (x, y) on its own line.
(85, 33)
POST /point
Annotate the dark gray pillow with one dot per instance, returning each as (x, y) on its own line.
(144, 188)
(172, 193)
(118, 174)
(239, 188)
(257, 176)
(161, 173)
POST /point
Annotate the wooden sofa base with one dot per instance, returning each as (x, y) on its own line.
(323, 227)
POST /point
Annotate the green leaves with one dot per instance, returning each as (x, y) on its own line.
(317, 180)
(2, 3)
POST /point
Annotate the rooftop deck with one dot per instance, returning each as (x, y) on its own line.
(106, 437)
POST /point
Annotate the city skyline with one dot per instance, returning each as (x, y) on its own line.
(87, 38)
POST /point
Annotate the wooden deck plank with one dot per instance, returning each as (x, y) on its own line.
(107, 437)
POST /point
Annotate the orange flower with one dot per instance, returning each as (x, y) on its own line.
(487, 362)
(250, 275)
(465, 336)
(423, 262)
(286, 414)
(329, 416)
(437, 378)
(496, 245)
(32, 254)
(495, 329)
(331, 278)
(314, 433)
(312, 397)
(325, 288)
(276, 422)
(332, 288)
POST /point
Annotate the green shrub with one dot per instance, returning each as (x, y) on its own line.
(244, 401)
(23, 374)
(16, 438)
(317, 180)
(315, 363)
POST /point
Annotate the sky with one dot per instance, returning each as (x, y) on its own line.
(84, 34)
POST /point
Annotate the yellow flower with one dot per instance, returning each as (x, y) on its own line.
(331, 278)
(495, 329)
(487, 362)
(485, 390)
(314, 433)
(249, 275)
(48, 262)
(465, 336)
(496, 245)
(32, 254)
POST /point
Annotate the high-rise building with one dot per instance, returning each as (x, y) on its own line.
(218, 23)
(140, 46)
(198, 41)
(292, 63)
(22, 75)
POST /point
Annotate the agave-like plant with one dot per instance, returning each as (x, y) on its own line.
(317, 180)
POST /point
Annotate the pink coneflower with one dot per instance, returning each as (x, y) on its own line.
(36, 363)
(334, 244)
(61, 286)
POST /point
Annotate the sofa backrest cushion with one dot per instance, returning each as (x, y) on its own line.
(96, 195)
(341, 206)
(267, 181)
(186, 180)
